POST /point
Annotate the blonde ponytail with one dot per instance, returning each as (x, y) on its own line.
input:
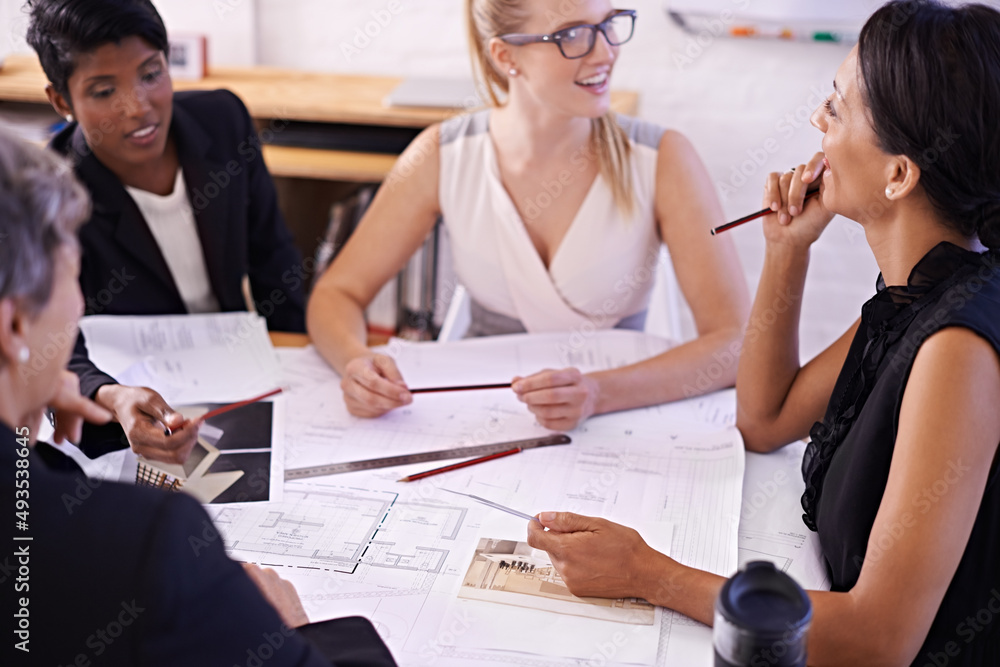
(613, 157)
(487, 19)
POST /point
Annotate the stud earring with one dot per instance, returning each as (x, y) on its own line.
(512, 71)
(69, 118)
(889, 193)
(24, 356)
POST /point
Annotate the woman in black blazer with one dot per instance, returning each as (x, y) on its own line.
(185, 216)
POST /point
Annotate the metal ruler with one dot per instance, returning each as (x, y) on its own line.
(441, 455)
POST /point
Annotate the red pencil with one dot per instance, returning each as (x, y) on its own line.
(232, 406)
(753, 216)
(456, 466)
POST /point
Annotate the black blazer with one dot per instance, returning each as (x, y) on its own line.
(241, 228)
(119, 575)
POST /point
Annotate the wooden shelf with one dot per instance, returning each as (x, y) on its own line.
(271, 93)
(327, 165)
(280, 93)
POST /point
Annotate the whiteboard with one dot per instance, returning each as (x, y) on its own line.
(812, 13)
(818, 13)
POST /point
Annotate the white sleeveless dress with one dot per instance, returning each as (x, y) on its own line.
(602, 273)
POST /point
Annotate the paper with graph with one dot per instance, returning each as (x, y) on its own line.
(674, 470)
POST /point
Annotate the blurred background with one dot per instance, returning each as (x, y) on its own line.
(744, 102)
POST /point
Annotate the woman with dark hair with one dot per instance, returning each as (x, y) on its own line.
(901, 474)
(112, 574)
(185, 213)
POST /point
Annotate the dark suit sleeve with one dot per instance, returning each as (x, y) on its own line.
(209, 612)
(276, 267)
(91, 377)
(96, 440)
(349, 642)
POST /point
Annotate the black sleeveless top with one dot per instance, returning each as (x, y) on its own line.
(846, 466)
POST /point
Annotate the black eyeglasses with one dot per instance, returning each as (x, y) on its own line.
(578, 41)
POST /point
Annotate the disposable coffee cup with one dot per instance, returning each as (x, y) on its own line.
(762, 617)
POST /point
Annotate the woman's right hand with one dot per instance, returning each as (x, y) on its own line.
(373, 386)
(143, 414)
(797, 222)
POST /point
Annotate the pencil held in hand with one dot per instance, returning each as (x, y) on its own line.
(240, 404)
(812, 192)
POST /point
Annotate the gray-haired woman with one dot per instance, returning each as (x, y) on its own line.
(132, 575)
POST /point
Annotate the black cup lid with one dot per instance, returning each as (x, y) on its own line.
(764, 600)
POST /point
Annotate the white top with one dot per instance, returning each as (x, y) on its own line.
(602, 272)
(172, 222)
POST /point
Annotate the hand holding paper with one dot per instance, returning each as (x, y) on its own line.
(596, 557)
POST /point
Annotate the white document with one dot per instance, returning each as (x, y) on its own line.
(186, 358)
(506, 622)
(771, 526)
(499, 358)
(678, 466)
(434, 92)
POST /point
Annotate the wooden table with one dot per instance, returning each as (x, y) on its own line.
(282, 339)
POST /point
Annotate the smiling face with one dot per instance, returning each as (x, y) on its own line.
(857, 170)
(575, 87)
(122, 96)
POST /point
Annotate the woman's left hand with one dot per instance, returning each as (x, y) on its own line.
(595, 557)
(559, 399)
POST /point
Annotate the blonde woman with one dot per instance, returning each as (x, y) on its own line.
(556, 208)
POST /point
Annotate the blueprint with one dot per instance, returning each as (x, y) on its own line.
(673, 472)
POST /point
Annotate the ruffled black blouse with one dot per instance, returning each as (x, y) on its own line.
(846, 465)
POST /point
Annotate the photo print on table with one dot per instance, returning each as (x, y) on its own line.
(513, 573)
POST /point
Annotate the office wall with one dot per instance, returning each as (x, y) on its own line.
(229, 24)
(397, 37)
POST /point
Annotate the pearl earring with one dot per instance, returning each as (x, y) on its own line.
(889, 193)
(24, 356)
(512, 71)
(69, 118)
